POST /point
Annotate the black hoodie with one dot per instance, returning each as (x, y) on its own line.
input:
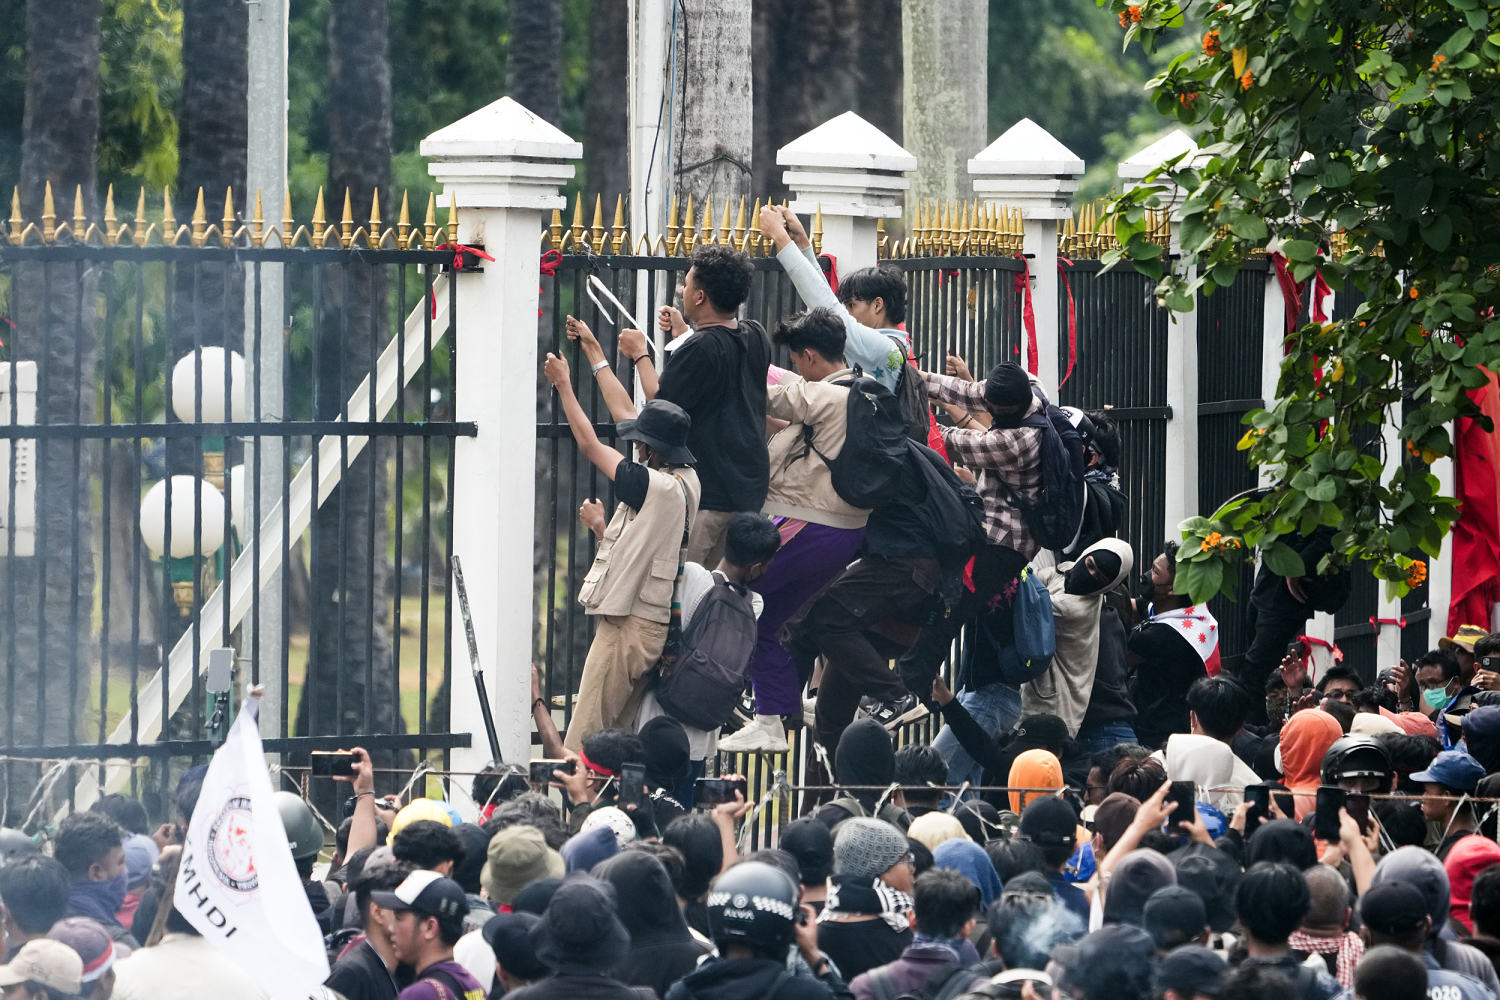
(662, 950)
(747, 979)
(865, 760)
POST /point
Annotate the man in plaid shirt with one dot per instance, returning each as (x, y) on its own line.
(1006, 460)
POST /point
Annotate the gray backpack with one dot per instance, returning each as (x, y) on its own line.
(702, 686)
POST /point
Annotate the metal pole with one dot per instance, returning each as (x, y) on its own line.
(266, 176)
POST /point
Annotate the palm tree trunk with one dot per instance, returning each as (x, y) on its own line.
(50, 654)
(712, 136)
(535, 56)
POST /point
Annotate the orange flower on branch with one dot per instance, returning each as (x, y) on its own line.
(1416, 573)
(1211, 43)
(1212, 540)
(1247, 80)
(1438, 60)
(1186, 100)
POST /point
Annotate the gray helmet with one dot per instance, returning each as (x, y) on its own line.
(303, 831)
(15, 845)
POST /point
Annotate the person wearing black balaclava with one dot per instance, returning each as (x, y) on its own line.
(864, 765)
(662, 949)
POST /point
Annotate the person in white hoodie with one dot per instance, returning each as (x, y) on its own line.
(1077, 589)
(1217, 708)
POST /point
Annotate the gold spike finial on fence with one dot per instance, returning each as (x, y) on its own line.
(619, 239)
(80, 223)
(49, 215)
(725, 232)
(168, 219)
(346, 223)
(429, 224)
(578, 243)
(452, 216)
(288, 224)
(319, 220)
(258, 222)
(689, 233)
(138, 226)
(817, 229)
(226, 234)
(881, 240)
(16, 222)
(403, 220)
(738, 233)
(200, 220)
(372, 235)
(111, 226)
(752, 230)
(672, 227)
(707, 235)
(596, 228)
(555, 230)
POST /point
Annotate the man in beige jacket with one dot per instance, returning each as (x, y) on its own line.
(820, 531)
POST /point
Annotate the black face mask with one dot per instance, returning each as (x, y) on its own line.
(1079, 580)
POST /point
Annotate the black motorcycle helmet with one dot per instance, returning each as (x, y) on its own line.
(755, 905)
(1357, 756)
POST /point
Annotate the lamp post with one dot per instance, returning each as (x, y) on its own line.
(168, 513)
(205, 369)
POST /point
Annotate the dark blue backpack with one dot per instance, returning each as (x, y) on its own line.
(1029, 656)
(1055, 517)
(867, 471)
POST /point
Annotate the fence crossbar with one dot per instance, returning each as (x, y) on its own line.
(207, 632)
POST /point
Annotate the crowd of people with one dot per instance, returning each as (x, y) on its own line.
(1105, 814)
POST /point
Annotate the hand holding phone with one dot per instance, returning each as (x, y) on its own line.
(1183, 811)
(709, 792)
(632, 786)
(331, 763)
(1331, 799)
(1259, 797)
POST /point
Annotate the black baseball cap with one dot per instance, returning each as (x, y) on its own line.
(1393, 908)
(428, 893)
(509, 937)
(1049, 820)
(1174, 915)
(1191, 970)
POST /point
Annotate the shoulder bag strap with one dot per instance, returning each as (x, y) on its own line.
(673, 645)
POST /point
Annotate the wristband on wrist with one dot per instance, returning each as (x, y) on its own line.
(599, 366)
(643, 357)
(538, 701)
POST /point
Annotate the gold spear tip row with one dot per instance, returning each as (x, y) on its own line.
(230, 230)
(689, 225)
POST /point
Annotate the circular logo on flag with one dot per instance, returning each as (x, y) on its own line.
(230, 852)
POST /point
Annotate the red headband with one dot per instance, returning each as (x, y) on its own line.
(598, 769)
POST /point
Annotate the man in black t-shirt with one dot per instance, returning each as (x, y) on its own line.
(718, 375)
(367, 971)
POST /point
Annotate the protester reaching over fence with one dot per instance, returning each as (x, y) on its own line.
(718, 376)
(1176, 644)
(821, 529)
(628, 589)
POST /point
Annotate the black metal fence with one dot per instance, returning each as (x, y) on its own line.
(88, 622)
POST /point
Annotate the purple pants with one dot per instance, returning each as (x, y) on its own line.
(805, 564)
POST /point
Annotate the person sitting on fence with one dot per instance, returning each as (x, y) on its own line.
(718, 376)
(870, 302)
(820, 530)
(628, 589)
(750, 544)
(1171, 649)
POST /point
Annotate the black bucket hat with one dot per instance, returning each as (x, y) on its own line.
(664, 426)
(579, 932)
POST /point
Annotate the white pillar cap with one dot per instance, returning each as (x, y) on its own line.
(1030, 169)
(502, 156)
(849, 167)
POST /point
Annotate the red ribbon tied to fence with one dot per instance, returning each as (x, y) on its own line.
(459, 249)
(1378, 622)
(551, 260)
(1072, 321)
(831, 272)
(1291, 295)
(1028, 314)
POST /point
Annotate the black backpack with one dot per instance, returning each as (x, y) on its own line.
(911, 395)
(1056, 515)
(952, 512)
(947, 983)
(867, 471)
(703, 684)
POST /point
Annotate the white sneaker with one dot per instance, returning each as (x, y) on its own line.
(765, 734)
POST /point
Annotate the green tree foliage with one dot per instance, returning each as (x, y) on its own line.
(1362, 138)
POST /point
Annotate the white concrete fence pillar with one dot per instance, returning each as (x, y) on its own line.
(1180, 490)
(854, 173)
(1027, 168)
(505, 167)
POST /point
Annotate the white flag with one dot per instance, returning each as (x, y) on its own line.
(237, 883)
